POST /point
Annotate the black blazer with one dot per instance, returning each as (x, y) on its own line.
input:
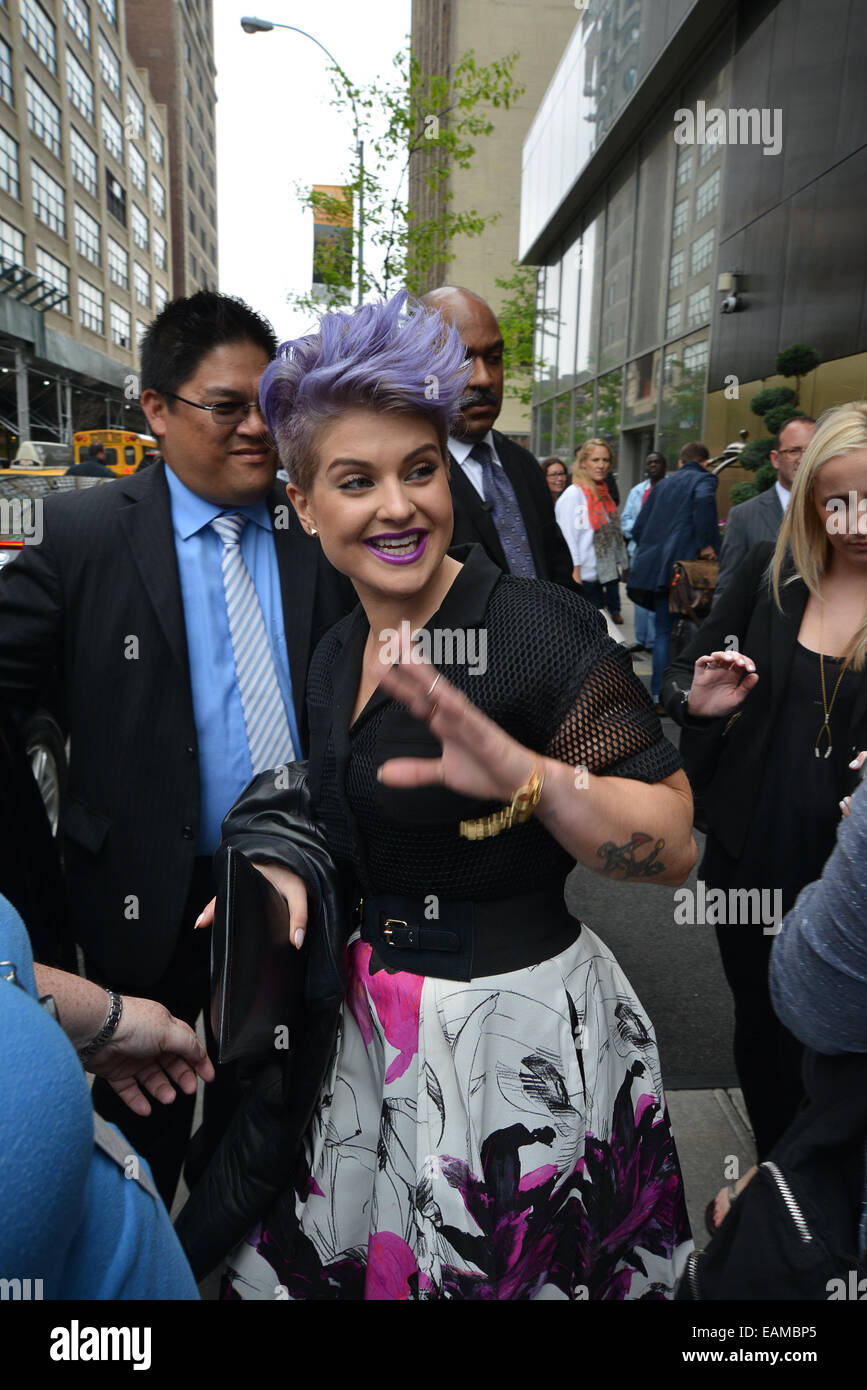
(748, 524)
(95, 611)
(474, 524)
(725, 758)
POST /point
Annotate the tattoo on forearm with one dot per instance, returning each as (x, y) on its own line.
(623, 858)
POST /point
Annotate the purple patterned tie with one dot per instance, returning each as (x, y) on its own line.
(506, 513)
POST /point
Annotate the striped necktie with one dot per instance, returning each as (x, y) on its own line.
(268, 731)
(506, 513)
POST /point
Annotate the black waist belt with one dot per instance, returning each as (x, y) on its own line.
(463, 940)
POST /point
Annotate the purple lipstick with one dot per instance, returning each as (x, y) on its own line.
(398, 547)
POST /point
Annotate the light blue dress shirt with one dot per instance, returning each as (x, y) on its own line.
(224, 754)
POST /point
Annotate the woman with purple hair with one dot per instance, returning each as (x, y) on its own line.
(490, 1121)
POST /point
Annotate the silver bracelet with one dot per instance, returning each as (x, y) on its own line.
(107, 1030)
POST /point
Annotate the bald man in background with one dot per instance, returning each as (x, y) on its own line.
(500, 497)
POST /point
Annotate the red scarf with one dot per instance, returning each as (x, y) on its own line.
(599, 508)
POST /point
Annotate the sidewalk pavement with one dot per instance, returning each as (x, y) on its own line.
(710, 1126)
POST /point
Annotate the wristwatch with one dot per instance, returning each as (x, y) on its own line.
(107, 1030)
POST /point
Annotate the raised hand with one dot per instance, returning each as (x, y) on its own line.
(478, 759)
(720, 684)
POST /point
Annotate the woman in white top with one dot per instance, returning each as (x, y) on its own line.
(587, 516)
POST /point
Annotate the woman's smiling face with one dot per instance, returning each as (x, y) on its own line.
(380, 501)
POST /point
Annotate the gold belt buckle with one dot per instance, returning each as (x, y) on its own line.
(389, 923)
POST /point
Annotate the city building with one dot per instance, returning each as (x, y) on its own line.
(84, 218)
(174, 41)
(689, 157)
(442, 32)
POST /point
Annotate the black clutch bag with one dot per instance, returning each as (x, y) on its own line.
(257, 975)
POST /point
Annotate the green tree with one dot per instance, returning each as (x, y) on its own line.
(436, 119)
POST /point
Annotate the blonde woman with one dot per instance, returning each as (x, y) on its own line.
(587, 515)
(772, 694)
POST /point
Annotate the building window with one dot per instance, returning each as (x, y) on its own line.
(109, 9)
(6, 90)
(160, 250)
(161, 298)
(695, 357)
(672, 319)
(698, 307)
(87, 241)
(10, 179)
(707, 195)
(118, 263)
(141, 284)
(140, 228)
(138, 169)
(91, 312)
(40, 33)
(158, 196)
(11, 244)
(158, 147)
(684, 168)
(189, 132)
(55, 273)
(188, 52)
(681, 213)
(115, 197)
(707, 153)
(43, 116)
(112, 133)
(79, 86)
(120, 324)
(675, 274)
(135, 113)
(48, 199)
(191, 218)
(701, 252)
(78, 19)
(84, 166)
(109, 66)
(141, 329)
(188, 87)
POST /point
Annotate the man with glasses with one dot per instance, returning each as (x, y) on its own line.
(174, 614)
(760, 518)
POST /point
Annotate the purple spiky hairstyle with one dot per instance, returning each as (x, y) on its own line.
(394, 356)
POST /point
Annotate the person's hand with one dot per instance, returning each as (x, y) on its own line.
(478, 759)
(856, 763)
(707, 552)
(150, 1051)
(721, 682)
(293, 891)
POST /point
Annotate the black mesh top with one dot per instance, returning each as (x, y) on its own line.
(554, 680)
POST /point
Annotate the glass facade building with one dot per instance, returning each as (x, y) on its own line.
(632, 213)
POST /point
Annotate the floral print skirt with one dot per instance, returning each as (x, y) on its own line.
(502, 1138)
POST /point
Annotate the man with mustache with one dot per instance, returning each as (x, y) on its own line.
(500, 497)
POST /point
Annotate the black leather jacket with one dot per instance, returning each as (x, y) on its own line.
(272, 821)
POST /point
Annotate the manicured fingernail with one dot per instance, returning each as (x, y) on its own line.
(854, 762)
(201, 915)
(379, 774)
(299, 938)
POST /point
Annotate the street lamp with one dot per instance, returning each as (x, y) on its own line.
(251, 25)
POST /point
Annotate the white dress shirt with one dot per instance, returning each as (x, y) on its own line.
(784, 494)
(460, 451)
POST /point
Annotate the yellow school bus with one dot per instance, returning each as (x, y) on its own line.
(124, 450)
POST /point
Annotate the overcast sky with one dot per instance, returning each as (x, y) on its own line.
(275, 128)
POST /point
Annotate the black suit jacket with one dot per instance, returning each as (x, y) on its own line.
(748, 524)
(474, 524)
(95, 611)
(725, 758)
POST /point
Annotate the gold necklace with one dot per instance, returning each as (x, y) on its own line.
(826, 727)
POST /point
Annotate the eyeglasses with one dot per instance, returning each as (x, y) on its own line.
(790, 453)
(223, 412)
